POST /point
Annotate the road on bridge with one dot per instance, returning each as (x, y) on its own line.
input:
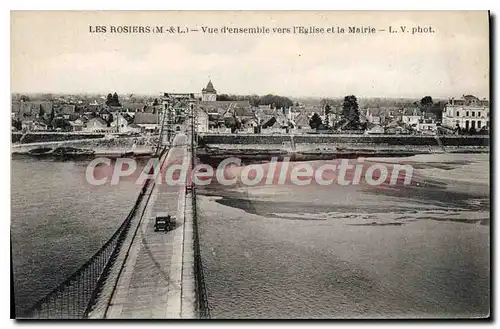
(149, 283)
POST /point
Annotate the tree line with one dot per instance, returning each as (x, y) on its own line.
(276, 102)
(350, 112)
(349, 118)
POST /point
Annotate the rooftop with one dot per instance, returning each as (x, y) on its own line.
(209, 88)
(145, 118)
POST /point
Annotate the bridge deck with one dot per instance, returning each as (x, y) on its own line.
(149, 283)
(145, 284)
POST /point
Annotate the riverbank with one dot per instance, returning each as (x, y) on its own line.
(262, 147)
(101, 146)
(257, 153)
(305, 140)
(42, 137)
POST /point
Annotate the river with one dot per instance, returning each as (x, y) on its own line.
(352, 251)
(58, 221)
(284, 252)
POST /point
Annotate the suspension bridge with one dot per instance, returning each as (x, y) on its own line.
(140, 273)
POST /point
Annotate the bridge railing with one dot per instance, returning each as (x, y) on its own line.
(202, 306)
(73, 298)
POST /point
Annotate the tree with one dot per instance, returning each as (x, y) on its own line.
(112, 100)
(61, 123)
(233, 123)
(17, 124)
(275, 101)
(109, 99)
(437, 109)
(156, 102)
(41, 113)
(254, 100)
(350, 112)
(52, 116)
(116, 101)
(224, 97)
(426, 103)
(326, 101)
(328, 110)
(109, 120)
(315, 122)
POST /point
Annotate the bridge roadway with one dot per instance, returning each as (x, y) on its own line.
(147, 281)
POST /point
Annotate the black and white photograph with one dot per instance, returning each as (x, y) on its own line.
(250, 165)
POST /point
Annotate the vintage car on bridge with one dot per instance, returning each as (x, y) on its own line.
(164, 222)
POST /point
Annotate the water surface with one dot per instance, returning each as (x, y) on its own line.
(352, 252)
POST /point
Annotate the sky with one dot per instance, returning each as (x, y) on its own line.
(56, 52)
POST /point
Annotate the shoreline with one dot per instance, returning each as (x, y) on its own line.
(212, 153)
(261, 147)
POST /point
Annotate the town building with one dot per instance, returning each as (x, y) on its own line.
(209, 94)
(202, 121)
(149, 122)
(64, 110)
(121, 124)
(77, 125)
(97, 125)
(34, 125)
(30, 110)
(411, 116)
(133, 107)
(301, 123)
(395, 127)
(249, 125)
(133, 128)
(220, 113)
(273, 126)
(426, 126)
(275, 123)
(467, 113)
(375, 115)
(375, 129)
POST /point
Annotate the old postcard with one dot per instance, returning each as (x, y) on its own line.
(250, 165)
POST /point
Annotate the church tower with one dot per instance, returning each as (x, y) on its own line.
(209, 94)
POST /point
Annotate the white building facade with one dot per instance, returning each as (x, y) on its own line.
(466, 113)
(411, 116)
(202, 121)
(426, 126)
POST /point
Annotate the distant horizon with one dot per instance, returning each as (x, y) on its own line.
(120, 94)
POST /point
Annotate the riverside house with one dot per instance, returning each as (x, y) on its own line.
(149, 122)
(97, 125)
(34, 125)
(467, 113)
(374, 115)
(77, 125)
(301, 123)
(427, 126)
(121, 124)
(412, 116)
